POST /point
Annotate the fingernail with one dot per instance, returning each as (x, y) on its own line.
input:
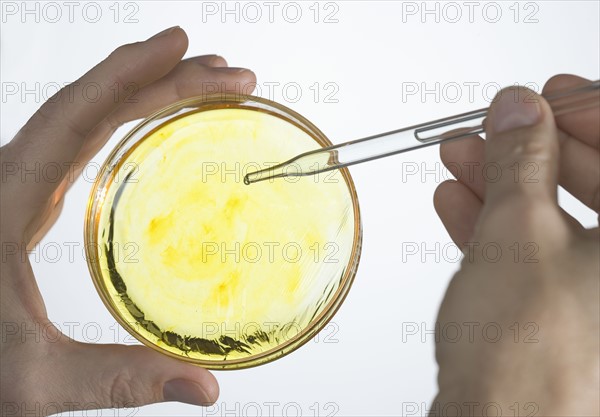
(185, 391)
(164, 32)
(230, 70)
(515, 108)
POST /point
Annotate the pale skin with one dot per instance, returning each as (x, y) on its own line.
(71, 374)
(559, 293)
(549, 290)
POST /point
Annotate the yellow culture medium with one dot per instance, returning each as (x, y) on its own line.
(204, 267)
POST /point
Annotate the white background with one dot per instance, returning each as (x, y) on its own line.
(364, 363)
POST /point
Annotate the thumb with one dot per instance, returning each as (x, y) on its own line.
(521, 149)
(111, 376)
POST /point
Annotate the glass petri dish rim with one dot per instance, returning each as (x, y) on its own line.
(168, 113)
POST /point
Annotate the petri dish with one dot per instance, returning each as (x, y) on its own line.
(202, 267)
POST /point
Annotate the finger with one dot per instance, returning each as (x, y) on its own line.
(579, 170)
(582, 125)
(128, 376)
(41, 224)
(465, 159)
(56, 132)
(458, 207)
(579, 134)
(216, 61)
(189, 78)
(522, 142)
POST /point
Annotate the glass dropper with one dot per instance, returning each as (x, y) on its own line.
(414, 137)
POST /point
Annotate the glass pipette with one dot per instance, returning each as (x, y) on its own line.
(413, 137)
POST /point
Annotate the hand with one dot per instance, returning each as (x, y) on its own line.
(526, 296)
(57, 374)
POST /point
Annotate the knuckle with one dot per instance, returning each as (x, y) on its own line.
(113, 122)
(217, 61)
(122, 56)
(56, 112)
(523, 145)
(523, 219)
(514, 212)
(127, 391)
(122, 51)
(553, 83)
(121, 392)
(529, 146)
(521, 159)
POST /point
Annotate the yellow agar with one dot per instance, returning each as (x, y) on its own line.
(206, 266)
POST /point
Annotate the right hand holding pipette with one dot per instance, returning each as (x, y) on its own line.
(528, 286)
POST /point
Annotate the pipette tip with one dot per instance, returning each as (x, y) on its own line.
(263, 174)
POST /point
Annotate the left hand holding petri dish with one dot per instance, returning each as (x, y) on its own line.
(69, 130)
